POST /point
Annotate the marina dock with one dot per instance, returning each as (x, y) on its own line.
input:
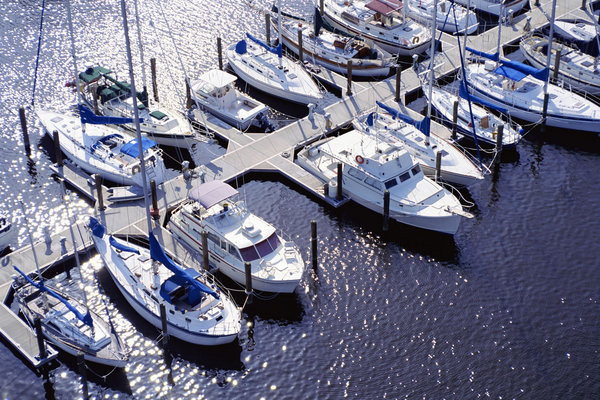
(272, 152)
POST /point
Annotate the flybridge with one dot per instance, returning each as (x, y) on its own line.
(384, 7)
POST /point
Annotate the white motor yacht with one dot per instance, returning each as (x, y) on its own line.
(451, 17)
(235, 236)
(104, 150)
(456, 167)
(372, 166)
(215, 92)
(380, 21)
(494, 7)
(575, 30)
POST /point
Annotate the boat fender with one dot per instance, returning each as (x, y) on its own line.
(135, 169)
(328, 124)
(359, 159)
(415, 40)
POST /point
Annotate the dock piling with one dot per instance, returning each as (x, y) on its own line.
(40, 338)
(454, 118)
(386, 210)
(349, 70)
(268, 27)
(56, 139)
(438, 165)
(313, 244)
(556, 64)
(153, 72)
(220, 53)
(24, 130)
(204, 236)
(339, 182)
(95, 98)
(188, 95)
(164, 325)
(398, 81)
(98, 181)
(499, 144)
(300, 49)
(82, 373)
(248, 272)
(544, 113)
(154, 212)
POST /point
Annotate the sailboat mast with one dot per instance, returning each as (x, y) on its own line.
(72, 35)
(550, 47)
(432, 55)
(139, 35)
(279, 31)
(37, 264)
(136, 116)
(499, 32)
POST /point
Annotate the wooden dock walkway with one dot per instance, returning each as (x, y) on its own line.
(273, 152)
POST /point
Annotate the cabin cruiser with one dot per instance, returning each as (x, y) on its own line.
(215, 92)
(371, 167)
(235, 237)
(380, 21)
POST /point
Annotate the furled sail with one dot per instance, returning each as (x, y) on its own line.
(541, 74)
(423, 125)
(88, 117)
(157, 253)
(275, 50)
(86, 319)
(493, 57)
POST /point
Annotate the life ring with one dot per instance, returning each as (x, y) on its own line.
(415, 40)
(359, 159)
(135, 169)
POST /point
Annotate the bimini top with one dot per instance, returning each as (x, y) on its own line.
(210, 193)
(384, 7)
(217, 78)
(132, 149)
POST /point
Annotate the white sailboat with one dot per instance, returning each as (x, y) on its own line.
(102, 150)
(236, 236)
(371, 166)
(451, 17)
(215, 92)
(66, 321)
(575, 30)
(331, 50)
(576, 68)
(394, 127)
(380, 21)
(113, 99)
(196, 310)
(519, 88)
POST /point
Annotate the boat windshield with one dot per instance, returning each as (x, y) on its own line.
(260, 249)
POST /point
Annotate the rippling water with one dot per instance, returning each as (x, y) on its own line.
(508, 308)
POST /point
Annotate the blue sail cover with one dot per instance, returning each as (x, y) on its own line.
(510, 73)
(541, 74)
(121, 246)
(493, 57)
(462, 92)
(86, 319)
(88, 117)
(275, 50)
(240, 47)
(424, 125)
(97, 228)
(132, 149)
(157, 253)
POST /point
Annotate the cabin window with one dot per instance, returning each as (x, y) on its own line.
(415, 170)
(404, 177)
(268, 245)
(224, 245)
(249, 253)
(214, 238)
(234, 252)
(356, 173)
(391, 183)
(373, 182)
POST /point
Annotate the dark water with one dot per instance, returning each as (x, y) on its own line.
(508, 308)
